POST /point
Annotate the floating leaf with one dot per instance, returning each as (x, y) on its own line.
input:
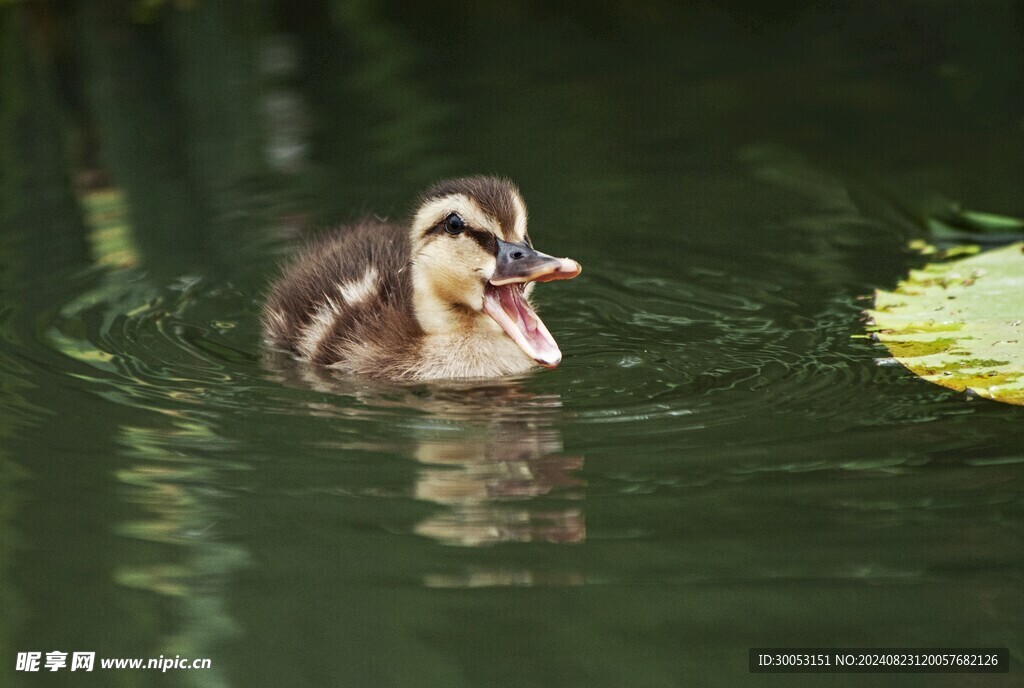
(959, 323)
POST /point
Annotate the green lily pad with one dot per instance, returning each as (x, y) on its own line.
(960, 324)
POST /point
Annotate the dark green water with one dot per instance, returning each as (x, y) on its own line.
(718, 464)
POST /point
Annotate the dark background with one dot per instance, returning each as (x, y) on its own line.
(719, 463)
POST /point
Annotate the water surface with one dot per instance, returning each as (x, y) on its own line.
(719, 463)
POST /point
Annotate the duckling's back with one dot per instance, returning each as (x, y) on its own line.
(346, 301)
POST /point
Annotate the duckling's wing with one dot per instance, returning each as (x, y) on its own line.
(346, 300)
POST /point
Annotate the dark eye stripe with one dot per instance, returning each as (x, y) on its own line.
(487, 241)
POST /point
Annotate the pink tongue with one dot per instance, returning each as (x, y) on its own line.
(508, 306)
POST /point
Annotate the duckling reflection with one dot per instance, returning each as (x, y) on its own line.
(487, 452)
(485, 479)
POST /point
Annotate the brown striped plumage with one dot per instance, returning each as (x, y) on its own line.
(407, 303)
(310, 287)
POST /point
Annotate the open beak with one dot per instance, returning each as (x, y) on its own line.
(505, 299)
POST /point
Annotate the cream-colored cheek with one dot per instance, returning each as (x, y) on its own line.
(452, 278)
(448, 287)
(489, 267)
(474, 296)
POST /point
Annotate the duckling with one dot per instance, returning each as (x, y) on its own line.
(446, 297)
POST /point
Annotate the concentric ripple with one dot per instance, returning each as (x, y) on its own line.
(647, 351)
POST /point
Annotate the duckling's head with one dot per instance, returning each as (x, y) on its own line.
(474, 265)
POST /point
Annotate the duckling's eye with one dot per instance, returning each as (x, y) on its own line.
(453, 224)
